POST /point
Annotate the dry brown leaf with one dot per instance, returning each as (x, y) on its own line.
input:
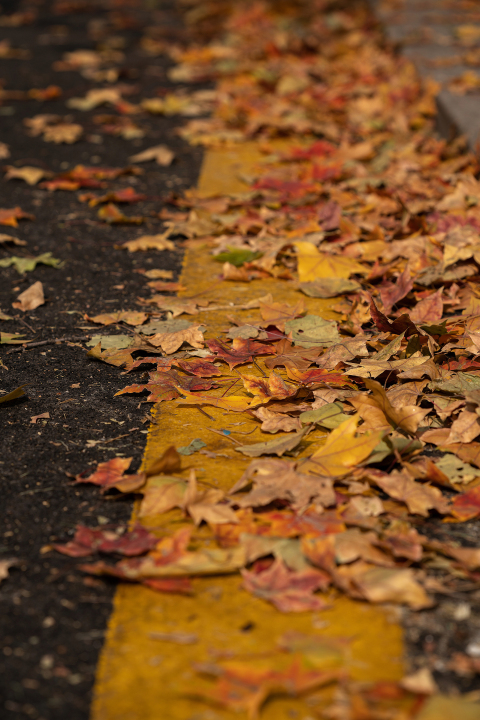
(408, 417)
(342, 450)
(31, 175)
(148, 242)
(31, 298)
(161, 153)
(418, 497)
(275, 479)
(273, 422)
(170, 342)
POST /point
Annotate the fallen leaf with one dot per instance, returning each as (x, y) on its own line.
(34, 418)
(11, 216)
(128, 317)
(9, 238)
(268, 388)
(112, 215)
(148, 242)
(278, 480)
(419, 497)
(342, 450)
(12, 395)
(111, 474)
(278, 446)
(161, 153)
(31, 298)
(428, 310)
(170, 342)
(466, 506)
(407, 418)
(288, 591)
(273, 422)
(313, 331)
(292, 356)
(31, 175)
(313, 265)
(329, 287)
(5, 566)
(239, 352)
(420, 682)
(23, 265)
(89, 540)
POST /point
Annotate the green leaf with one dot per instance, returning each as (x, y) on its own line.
(193, 447)
(330, 416)
(109, 342)
(11, 339)
(460, 384)
(18, 392)
(278, 446)
(312, 331)
(237, 257)
(23, 265)
(163, 326)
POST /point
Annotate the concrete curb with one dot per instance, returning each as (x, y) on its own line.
(428, 35)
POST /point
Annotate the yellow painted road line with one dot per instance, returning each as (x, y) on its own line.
(141, 677)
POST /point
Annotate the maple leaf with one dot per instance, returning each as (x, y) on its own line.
(170, 342)
(10, 217)
(465, 428)
(161, 153)
(241, 351)
(275, 313)
(63, 132)
(112, 215)
(278, 480)
(265, 389)
(30, 298)
(246, 686)
(312, 331)
(113, 357)
(313, 264)
(31, 175)
(390, 295)
(273, 422)
(428, 310)
(319, 376)
(407, 417)
(199, 367)
(402, 324)
(466, 506)
(176, 305)
(125, 195)
(292, 356)
(168, 385)
(278, 446)
(418, 497)
(148, 242)
(342, 450)
(128, 317)
(380, 585)
(88, 540)
(288, 591)
(112, 474)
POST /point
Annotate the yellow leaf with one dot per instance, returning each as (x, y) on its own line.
(313, 264)
(342, 451)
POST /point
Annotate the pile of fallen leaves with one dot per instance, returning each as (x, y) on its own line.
(370, 421)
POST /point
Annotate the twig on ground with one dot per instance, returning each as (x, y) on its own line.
(40, 343)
